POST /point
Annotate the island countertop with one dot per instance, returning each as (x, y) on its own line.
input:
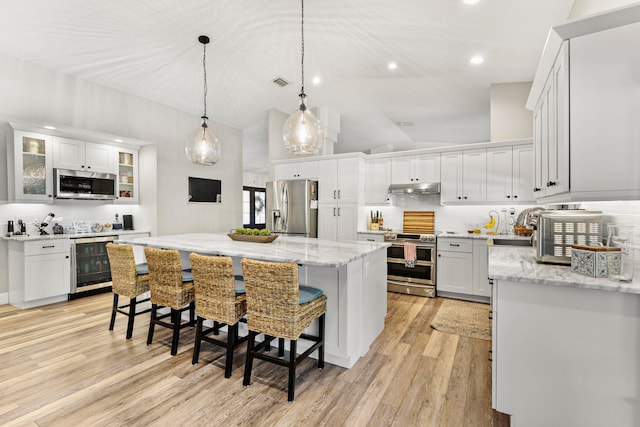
(301, 250)
(518, 264)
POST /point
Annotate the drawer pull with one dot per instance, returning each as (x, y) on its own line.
(457, 245)
(48, 246)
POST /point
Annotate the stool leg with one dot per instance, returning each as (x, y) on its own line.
(249, 361)
(216, 327)
(231, 340)
(267, 346)
(113, 311)
(132, 317)
(192, 313)
(280, 347)
(175, 319)
(152, 322)
(321, 348)
(196, 345)
(292, 370)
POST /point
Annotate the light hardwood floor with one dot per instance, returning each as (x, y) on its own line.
(60, 366)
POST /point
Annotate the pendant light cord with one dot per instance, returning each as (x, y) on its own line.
(302, 94)
(204, 66)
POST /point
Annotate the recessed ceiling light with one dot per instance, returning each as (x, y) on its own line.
(477, 59)
(316, 80)
(117, 140)
(470, 1)
(50, 127)
(392, 66)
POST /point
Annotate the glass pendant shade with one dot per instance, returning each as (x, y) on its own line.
(203, 148)
(302, 133)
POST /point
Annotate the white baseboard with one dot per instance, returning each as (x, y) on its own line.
(4, 298)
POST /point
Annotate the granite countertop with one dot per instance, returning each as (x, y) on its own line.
(33, 237)
(301, 250)
(518, 264)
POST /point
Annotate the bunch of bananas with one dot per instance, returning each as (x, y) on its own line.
(491, 223)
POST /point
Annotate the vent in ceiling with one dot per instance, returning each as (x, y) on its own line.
(280, 81)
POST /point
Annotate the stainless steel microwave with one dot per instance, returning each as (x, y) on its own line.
(84, 185)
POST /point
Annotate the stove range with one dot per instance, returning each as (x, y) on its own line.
(410, 237)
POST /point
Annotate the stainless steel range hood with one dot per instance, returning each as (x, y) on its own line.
(423, 188)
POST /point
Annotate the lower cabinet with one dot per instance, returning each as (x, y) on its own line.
(462, 268)
(40, 272)
(338, 221)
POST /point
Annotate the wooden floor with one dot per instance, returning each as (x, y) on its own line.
(60, 366)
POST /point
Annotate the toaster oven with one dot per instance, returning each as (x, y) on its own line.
(558, 230)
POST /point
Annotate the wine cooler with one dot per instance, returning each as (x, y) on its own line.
(90, 266)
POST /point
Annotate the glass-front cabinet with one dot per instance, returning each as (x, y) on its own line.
(127, 161)
(33, 168)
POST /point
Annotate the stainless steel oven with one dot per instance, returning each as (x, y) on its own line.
(417, 278)
(90, 269)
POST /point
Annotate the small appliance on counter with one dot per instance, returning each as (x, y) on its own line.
(127, 221)
(557, 231)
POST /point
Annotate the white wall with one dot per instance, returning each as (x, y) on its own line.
(33, 94)
(509, 117)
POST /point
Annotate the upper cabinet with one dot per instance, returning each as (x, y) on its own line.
(551, 131)
(30, 171)
(510, 174)
(464, 176)
(340, 180)
(79, 155)
(585, 107)
(297, 170)
(377, 178)
(127, 161)
(415, 169)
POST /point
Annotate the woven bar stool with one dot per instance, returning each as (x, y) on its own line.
(278, 306)
(129, 280)
(170, 287)
(220, 297)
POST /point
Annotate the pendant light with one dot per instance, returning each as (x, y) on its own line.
(203, 148)
(302, 131)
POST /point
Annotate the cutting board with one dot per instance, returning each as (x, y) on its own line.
(420, 222)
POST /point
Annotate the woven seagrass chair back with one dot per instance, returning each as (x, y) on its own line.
(272, 298)
(165, 278)
(215, 291)
(125, 280)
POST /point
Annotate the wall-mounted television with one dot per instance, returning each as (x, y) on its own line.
(205, 190)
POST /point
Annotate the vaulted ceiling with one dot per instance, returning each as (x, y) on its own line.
(149, 48)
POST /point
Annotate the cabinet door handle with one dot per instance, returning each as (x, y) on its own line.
(338, 194)
(490, 356)
(48, 246)
(67, 257)
(459, 197)
(439, 255)
(508, 197)
(82, 166)
(465, 197)
(334, 194)
(455, 245)
(338, 211)
(334, 211)
(536, 189)
(491, 315)
(417, 179)
(371, 240)
(515, 196)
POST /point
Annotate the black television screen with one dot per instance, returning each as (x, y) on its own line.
(205, 190)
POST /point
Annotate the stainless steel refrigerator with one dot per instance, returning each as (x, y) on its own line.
(292, 207)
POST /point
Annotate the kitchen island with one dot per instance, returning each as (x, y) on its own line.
(566, 347)
(351, 274)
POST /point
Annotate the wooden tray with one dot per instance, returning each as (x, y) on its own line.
(249, 238)
(421, 222)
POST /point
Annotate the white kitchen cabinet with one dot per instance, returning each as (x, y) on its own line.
(464, 176)
(40, 272)
(80, 155)
(338, 222)
(462, 268)
(510, 174)
(30, 167)
(569, 350)
(423, 168)
(377, 178)
(127, 161)
(551, 131)
(340, 180)
(297, 170)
